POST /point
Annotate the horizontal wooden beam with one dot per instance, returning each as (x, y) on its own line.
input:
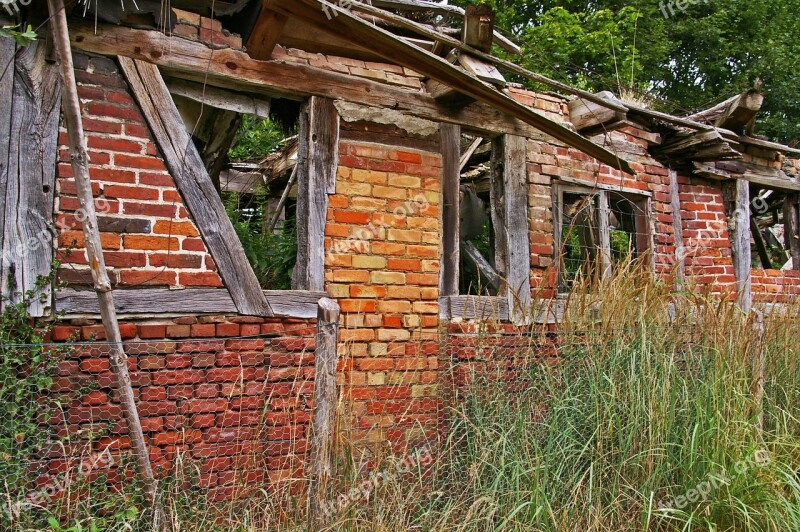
(158, 301)
(220, 98)
(602, 186)
(235, 70)
(495, 308)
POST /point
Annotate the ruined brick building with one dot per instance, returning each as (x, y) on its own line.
(399, 123)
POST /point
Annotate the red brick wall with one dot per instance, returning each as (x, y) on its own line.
(237, 407)
(146, 233)
(382, 245)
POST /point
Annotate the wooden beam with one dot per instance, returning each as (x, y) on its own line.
(481, 69)
(220, 98)
(421, 29)
(317, 162)
(761, 246)
(323, 434)
(485, 269)
(734, 113)
(604, 236)
(791, 229)
(737, 202)
(602, 186)
(400, 52)
(591, 118)
(495, 308)
(677, 230)
(162, 302)
(30, 96)
(468, 153)
(266, 32)
(450, 142)
(235, 70)
(510, 218)
(195, 185)
(479, 27)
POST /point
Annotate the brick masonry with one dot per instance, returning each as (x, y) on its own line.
(382, 249)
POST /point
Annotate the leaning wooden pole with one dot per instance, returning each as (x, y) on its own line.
(80, 168)
(320, 464)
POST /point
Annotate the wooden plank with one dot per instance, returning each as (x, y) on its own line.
(479, 27)
(734, 113)
(317, 162)
(761, 246)
(791, 229)
(473, 308)
(220, 98)
(737, 200)
(511, 228)
(421, 29)
(604, 236)
(450, 142)
(266, 32)
(586, 115)
(602, 186)
(400, 52)
(158, 301)
(677, 230)
(483, 266)
(323, 433)
(481, 69)
(193, 182)
(29, 175)
(235, 70)
(7, 50)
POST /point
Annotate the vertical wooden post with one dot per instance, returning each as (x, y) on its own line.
(450, 141)
(738, 203)
(317, 161)
(759, 368)
(509, 189)
(677, 230)
(604, 236)
(102, 285)
(791, 229)
(320, 464)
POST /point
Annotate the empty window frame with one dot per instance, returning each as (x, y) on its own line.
(596, 230)
(773, 228)
(485, 242)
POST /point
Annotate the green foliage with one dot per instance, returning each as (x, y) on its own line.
(22, 38)
(256, 138)
(27, 368)
(701, 55)
(272, 255)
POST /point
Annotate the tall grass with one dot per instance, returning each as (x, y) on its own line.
(647, 420)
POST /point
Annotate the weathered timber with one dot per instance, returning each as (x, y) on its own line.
(591, 118)
(478, 27)
(761, 245)
(509, 204)
(421, 29)
(235, 70)
(270, 226)
(317, 161)
(760, 175)
(481, 69)
(323, 430)
(220, 98)
(734, 113)
(30, 95)
(450, 139)
(479, 261)
(495, 308)
(158, 301)
(195, 186)
(737, 203)
(604, 236)
(468, 153)
(400, 52)
(266, 32)
(791, 228)
(677, 229)
(118, 360)
(603, 186)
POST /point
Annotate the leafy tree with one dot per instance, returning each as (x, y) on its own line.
(689, 60)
